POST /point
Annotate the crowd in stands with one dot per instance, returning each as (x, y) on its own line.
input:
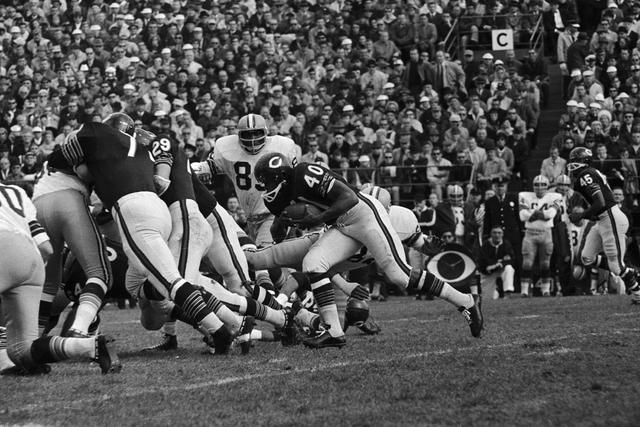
(368, 88)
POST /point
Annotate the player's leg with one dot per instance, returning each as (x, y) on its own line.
(371, 226)
(261, 235)
(86, 243)
(614, 246)
(20, 287)
(332, 247)
(528, 258)
(488, 283)
(49, 217)
(145, 225)
(545, 250)
(225, 253)
(507, 275)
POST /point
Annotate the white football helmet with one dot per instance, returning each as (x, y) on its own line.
(252, 132)
(563, 183)
(540, 185)
(379, 193)
(455, 193)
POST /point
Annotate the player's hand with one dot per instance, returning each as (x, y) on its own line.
(536, 215)
(575, 217)
(506, 258)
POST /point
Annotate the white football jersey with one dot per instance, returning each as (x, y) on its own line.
(56, 181)
(16, 210)
(576, 234)
(234, 161)
(458, 215)
(404, 222)
(549, 204)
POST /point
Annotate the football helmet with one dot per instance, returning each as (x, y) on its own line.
(379, 193)
(356, 313)
(455, 195)
(540, 185)
(579, 157)
(122, 122)
(273, 170)
(563, 183)
(252, 132)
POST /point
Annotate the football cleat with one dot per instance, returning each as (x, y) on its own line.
(248, 323)
(630, 278)
(167, 343)
(473, 315)
(220, 341)
(324, 340)
(106, 355)
(290, 332)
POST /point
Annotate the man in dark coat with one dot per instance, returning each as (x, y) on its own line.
(503, 210)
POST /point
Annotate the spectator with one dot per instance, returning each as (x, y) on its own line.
(314, 155)
(553, 166)
(496, 262)
(5, 169)
(493, 169)
(438, 172)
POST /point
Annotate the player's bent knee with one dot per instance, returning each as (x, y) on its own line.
(150, 318)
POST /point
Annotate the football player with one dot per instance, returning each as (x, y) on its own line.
(121, 165)
(25, 248)
(61, 200)
(236, 156)
(610, 233)
(538, 210)
(356, 219)
(189, 240)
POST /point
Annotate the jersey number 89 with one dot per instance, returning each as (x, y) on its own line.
(243, 176)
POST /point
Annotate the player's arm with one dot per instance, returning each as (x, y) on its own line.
(525, 211)
(596, 207)
(161, 151)
(340, 198)
(69, 155)
(38, 233)
(550, 212)
(279, 230)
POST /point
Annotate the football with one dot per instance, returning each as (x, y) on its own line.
(301, 210)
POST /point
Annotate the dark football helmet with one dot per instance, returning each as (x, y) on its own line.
(580, 157)
(122, 122)
(252, 132)
(356, 313)
(273, 170)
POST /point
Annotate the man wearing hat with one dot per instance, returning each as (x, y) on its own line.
(577, 53)
(416, 73)
(373, 77)
(566, 39)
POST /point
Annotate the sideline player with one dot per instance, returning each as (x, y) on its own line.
(356, 219)
(236, 156)
(609, 234)
(25, 247)
(537, 211)
(122, 167)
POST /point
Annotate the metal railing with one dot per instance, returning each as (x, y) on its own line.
(451, 43)
(536, 41)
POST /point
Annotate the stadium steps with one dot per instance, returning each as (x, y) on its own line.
(548, 122)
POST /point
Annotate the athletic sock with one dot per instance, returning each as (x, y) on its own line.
(456, 297)
(89, 303)
(261, 295)
(524, 286)
(54, 349)
(305, 317)
(230, 318)
(189, 299)
(431, 285)
(325, 298)
(49, 291)
(169, 327)
(261, 311)
(282, 299)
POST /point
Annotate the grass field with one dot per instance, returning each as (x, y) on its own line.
(565, 361)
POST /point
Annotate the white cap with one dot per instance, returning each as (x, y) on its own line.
(582, 105)
(388, 86)
(95, 27)
(346, 41)
(589, 57)
(114, 6)
(612, 69)
(347, 108)
(498, 62)
(134, 59)
(129, 17)
(398, 61)
(599, 97)
(160, 113)
(572, 103)
(36, 129)
(187, 46)
(160, 16)
(287, 79)
(588, 73)
(382, 98)
(146, 11)
(84, 68)
(165, 50)
(595, 105)
(76, 31)
(15, 128)
(129, 86)
(424, 99)
(276, 88)
(179, 17)
(455, 118)
(623, 95)
(110, 70)
(487, 56)
(575, 72)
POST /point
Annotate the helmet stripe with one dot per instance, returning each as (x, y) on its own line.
(251, 121)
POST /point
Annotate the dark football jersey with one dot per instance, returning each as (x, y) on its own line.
(167, 151)
(310, 184)
(205, 200)
(588, 182)
(118, 164)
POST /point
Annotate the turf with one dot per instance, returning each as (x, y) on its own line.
(564, 361)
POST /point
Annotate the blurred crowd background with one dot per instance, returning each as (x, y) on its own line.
(408, 95)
